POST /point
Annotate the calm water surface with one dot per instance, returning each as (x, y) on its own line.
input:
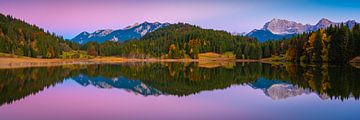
(154, 91)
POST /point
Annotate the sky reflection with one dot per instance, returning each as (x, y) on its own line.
(69, 100)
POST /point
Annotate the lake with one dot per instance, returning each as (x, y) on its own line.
(171, 91)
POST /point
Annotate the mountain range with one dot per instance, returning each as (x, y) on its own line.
(135, 31)
(273, 30)
(281, 28)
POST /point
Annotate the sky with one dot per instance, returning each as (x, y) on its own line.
(70, 17)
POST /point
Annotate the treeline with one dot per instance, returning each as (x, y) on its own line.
(183, 41)
(20, 38)
(179, 41)
(182, 79)
(337, 44)
(16, 84)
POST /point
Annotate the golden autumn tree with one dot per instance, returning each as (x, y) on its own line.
(316, 48)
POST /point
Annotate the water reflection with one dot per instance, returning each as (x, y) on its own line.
(134, 86)
(183, 79)
(278, 90)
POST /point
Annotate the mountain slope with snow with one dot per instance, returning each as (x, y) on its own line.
(280, 28)
(135, 31)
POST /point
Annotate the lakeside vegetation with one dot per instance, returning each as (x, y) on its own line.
(336, 44)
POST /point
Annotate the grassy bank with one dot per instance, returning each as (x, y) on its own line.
(209, 60)
(11, 61)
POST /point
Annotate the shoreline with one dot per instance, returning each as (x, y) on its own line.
(6, 63)
(22, 62)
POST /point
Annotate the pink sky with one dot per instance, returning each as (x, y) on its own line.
(70, 17)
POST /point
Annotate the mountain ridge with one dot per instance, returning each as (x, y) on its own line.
(282, 28)
(135, 31)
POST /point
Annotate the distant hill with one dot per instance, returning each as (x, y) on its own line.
(280, 28)
(135, 31)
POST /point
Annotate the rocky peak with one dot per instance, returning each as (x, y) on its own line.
(282, 26)
(132, 26)
(145, 24)
(134, 31)
(279, 28)
(323, 23)
(103, 32)
(84, 33)
(351, 23)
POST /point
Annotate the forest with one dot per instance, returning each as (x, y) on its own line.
(20, 38)
(181, 41)
(336, 44)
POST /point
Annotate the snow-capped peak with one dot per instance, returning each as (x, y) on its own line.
(103, 32)
(135, 31)
(323, 23)
(85, 33)
(282, 26)
(132, 26)
(351, 23)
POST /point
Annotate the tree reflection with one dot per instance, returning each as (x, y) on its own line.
(278, 81)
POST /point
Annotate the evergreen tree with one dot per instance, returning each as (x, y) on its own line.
(317, 48)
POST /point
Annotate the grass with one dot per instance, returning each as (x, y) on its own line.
(75, 55)
(212, 55)
(6, 55)
(274, 58)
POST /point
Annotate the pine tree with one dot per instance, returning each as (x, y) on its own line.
(266, 52)
(317, 48)
(91, 50)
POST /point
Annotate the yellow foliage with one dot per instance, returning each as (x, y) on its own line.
(172, 47)
(312, 39)
(193, 43)
(290, 54)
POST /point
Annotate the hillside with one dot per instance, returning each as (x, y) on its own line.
(185, 41)
(20, 38)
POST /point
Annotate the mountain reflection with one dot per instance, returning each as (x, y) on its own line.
(182, 79)
(277, 90)
(135, 86)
